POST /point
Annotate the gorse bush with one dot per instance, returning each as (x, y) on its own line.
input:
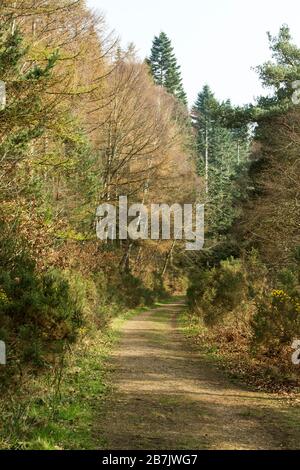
(219, 290)
(276, 322)
(38, 309)
(243, 287)
(41, 300)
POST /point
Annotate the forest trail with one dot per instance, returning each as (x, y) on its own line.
(166, 396)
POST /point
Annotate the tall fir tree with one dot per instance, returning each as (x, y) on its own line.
(204, 115)
(221, 150)
(164, 68)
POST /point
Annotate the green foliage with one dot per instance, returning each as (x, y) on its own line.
(38, 72)
(284, 70)
(164, 68)
(222, 154)
(24, 119)
(39, 309)
(11, 51)
(129, 291)
(276, 322)
(218, 291)
(244, 285)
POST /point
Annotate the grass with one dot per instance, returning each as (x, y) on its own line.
(46, 416)
(169, 300)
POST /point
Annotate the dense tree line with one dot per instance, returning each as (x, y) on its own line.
(84, 123)
(245, 285)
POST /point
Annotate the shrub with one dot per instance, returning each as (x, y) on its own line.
(276, 322)
(129, 291)
(38, 309)
(219, 290)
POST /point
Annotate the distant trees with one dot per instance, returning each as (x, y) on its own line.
(204, 114)
(164, 67)
(222, 152)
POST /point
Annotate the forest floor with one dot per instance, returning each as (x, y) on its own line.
(165, 394)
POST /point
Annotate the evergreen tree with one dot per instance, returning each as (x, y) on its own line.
(280, 73)
(164, 67)
(221, 150)
(204, 114)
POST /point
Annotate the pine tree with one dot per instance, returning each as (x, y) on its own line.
(221, 150)
(164, 67)
(204, 114)
(285, 68)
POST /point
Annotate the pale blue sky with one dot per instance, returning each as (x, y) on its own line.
(216, 41)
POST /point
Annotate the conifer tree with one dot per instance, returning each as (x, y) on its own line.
(221, 150)
(164, 68)
(204, 115)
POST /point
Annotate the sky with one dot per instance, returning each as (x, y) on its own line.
(216, 42)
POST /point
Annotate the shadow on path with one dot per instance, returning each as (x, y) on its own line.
(166, 397)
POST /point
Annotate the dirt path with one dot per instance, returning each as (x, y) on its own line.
(166, 397)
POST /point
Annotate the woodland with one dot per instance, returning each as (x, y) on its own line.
(86, 122)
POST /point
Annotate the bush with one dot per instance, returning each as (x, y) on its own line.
(129, 291)
(218, 291)
(276, 322)
(37, 310)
